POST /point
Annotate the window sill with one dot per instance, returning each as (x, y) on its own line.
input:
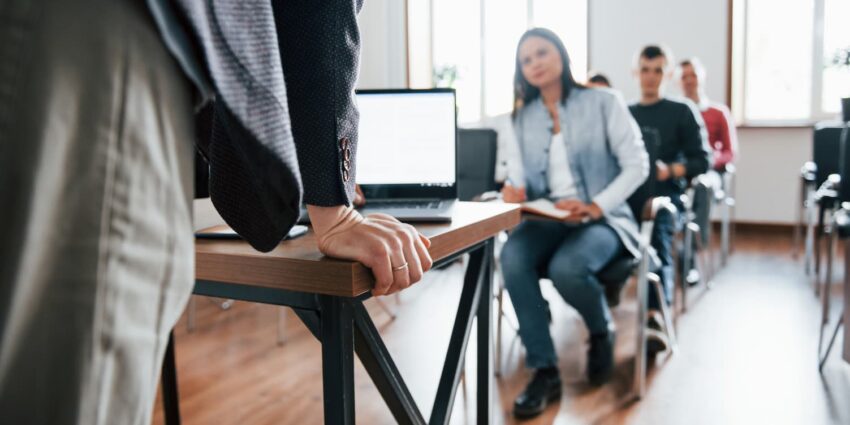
(778, 124)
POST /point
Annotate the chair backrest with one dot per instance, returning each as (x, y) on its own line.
(637, 201)
(826, 150)
(844, 165)
(476, 162)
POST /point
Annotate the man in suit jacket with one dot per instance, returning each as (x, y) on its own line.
(96, 130)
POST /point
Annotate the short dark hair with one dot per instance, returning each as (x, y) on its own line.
(599, 79)
(653, 51)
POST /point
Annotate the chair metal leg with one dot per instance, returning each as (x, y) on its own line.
(827, 279)
(687, 251)
(831, 343)
(810, 232)
(666, 313)
(799, 220)
(499, 313)
(725, 224)
(818, 242)
(639, 380)
(700, 252)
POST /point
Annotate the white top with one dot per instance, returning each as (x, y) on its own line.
(561, 183)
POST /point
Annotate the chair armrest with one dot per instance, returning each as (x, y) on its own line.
(808, 171)
(830, 187)
(655, 205)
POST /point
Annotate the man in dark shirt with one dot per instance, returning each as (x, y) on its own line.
(683, 152)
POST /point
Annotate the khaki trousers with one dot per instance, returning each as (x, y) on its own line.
(96, 246)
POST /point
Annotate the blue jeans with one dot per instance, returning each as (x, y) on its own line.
(662, 240)
(568, 255)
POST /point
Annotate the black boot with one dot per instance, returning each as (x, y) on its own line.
(544, 388)
(600, 358)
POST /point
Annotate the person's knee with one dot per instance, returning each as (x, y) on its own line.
(569, 272)
(515, 257)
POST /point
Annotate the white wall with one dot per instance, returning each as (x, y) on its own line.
(620, 28)
(383, 50)
(768, 173)
(769, 159)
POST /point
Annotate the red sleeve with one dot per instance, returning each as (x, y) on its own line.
(728, 140)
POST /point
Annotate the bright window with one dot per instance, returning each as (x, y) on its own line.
(471, 45)
(791, 56)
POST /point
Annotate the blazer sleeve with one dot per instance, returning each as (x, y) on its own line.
(319, 50)
(626, 142)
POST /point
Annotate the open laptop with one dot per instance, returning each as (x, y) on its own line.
(407, 153)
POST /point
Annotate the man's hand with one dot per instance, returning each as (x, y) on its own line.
(579, 211)
(678, 170)
(396, 252)
(513, 194)
(663, 173)
(359, 197)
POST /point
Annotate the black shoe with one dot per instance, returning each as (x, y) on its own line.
(654, 343)
(545, 387)
(600, 358)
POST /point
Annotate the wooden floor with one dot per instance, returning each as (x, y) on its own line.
(747, 356)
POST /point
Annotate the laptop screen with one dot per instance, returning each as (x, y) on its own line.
(407, 143)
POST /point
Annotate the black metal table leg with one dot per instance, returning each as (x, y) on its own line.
(337, 335)
(170, 398)
(485, 336)
(469, 299)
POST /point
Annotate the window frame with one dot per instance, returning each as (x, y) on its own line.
(737, 34)
(482, 106)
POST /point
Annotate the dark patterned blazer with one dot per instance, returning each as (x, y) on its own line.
(277, 83)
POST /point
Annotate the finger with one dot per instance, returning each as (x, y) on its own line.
(422, 250)
(401, 277)
(379, 262)
(414, 264)
(384, 217)
(425, 240)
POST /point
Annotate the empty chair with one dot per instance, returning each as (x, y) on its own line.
(476, 163)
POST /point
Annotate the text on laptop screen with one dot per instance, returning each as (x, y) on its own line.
(406, 138)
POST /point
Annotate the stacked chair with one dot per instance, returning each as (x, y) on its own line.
(817, 194)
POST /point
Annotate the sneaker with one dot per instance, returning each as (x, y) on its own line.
(693, 277)
(544, 388)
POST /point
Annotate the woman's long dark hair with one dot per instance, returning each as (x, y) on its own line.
(524, 92)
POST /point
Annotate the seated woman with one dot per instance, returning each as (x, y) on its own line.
(580, 148)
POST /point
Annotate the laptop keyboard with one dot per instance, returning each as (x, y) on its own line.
(409, 204)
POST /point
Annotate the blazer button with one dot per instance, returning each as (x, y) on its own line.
(346, 154)
(343, 143)
(346, 165)
(345, 175)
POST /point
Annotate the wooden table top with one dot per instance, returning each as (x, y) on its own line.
(298, 265)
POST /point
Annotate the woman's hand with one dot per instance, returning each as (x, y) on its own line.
(396, 252)
(579, 211)
(513, 194)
